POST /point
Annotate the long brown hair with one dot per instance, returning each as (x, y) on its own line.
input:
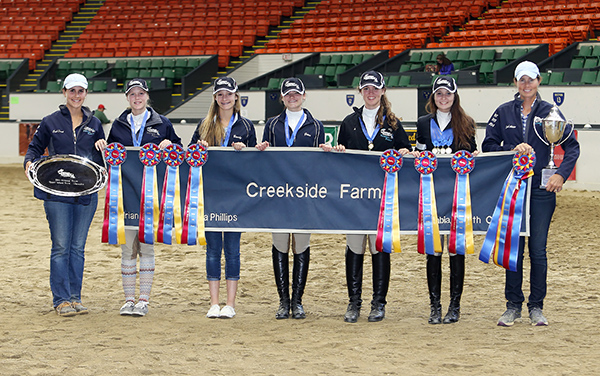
(463, 126)
(210, 129)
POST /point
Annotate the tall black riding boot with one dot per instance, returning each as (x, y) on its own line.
(354, 274)
(282, 280)
(381, 282)
(299, 275)
(434, 283)
(457, 278)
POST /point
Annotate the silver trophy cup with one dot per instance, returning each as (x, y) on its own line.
(553, 128)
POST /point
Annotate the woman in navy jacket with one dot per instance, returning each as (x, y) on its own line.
(70, 130)
(137, 126)
(372, 127)
(224, 126)
(294, 127)
(511, 127)
(446, 129)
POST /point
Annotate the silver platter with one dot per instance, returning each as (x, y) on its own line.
(67, 175)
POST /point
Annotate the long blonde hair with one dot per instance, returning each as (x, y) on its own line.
(210, 129)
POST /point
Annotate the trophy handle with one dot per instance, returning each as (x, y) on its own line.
(538, 120)
(565, 138)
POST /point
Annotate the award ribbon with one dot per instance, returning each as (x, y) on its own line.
(225, 141)
(502, 238)
(149, 156)
(388, 225)
(193, 215)
(170, 208)
(113, 227)
(369, 138)
(428, 228)
(461, 225)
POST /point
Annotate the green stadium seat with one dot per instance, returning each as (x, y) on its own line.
(274, 83)
(76, 66)
(99, 85)
(309, 69)
(590, 62)
(415, 57)
(577, 63)
(596, 51)
(133, 64)
(157, 63)
(451, 55)
(324, 59)
(404, 81)
(475, 57)
(144, 73)
(347, 59)
(545, 77)
(132, 73)
(335, 59)
(63, 68)
(507, 54)
(101, 65)
(357, 59)
(585, 51)
(320, 69)
(145, 64)
(4, 70)
(486, 70)
(404, 67)
(427, 56)
(589, 77)
(556, 78)
(393, 81)
(169, 63)
(488, 55)
(519, 52)
(54, 86)
(463, 55)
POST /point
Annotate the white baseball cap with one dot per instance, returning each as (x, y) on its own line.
(75, 79)
(527, 68)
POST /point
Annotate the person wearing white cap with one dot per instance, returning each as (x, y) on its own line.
(224, 126)
(136, 126)
(511, 127)
(70, 130)
(294, 127)
(446, 129)
(372, 127)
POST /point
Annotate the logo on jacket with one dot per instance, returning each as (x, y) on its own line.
(559, 98)
(510, 126)
(350, 99)
(66, 174)
(88, 130)
(244, 100)
(387, 134)
(57, 131)
(153, 132)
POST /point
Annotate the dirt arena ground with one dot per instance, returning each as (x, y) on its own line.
(177, 339)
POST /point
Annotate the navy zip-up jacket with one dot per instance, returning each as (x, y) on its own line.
(504, 131)
(424, 135)
(56, 133)
(241, 131)
(310, 134)
(157, 128)
(352, 137)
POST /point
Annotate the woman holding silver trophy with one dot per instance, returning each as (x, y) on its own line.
(71, 130)
(515, 126)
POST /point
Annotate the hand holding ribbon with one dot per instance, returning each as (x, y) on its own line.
(193, 215)
(502, 238)
(388, 225)
(428, 228)
(113, 227)
(461, 226)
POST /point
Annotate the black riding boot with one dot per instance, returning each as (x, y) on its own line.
(381, 282)
(282, 280)
(299, 275)
(457, 278)
(354, 274)
(434, 283)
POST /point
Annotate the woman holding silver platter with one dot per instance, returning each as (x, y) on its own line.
(445, 130)
(70, 130)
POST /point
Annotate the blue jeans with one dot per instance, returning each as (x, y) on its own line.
(541, 211)
(69, 225)
(230, 242)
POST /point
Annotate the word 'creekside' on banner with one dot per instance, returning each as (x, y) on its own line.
(312, 191)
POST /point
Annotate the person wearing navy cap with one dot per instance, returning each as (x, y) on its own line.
(224, 126)
(372, 127)
(294, 127)
(136, 126)
(511, 127)
(70, 130)
(446, 129)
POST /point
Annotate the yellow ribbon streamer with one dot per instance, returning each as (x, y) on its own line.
(120, 213)
(470, 244)
(437, 242)
(201, 236)
(396, 220)
(177, 210)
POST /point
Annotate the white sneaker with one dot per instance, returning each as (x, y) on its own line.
(214, 312)
(140, 309)
(127, 309)
(227, 312)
